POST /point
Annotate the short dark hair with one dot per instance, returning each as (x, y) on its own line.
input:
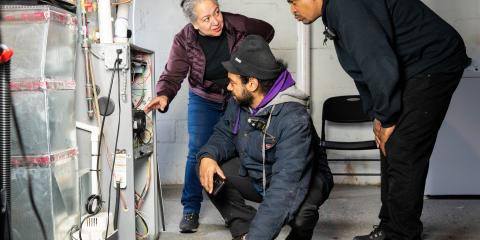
(266, 84)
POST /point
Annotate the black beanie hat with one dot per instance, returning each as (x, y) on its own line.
(253, 58)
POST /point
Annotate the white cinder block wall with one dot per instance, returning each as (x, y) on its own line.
(156, 23)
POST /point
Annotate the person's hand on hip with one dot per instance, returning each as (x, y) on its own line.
(382, 135)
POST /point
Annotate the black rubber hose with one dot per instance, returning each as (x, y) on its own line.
(117, 207)
(119, 61)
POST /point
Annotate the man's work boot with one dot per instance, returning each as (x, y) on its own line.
(376, 234)
(241, 237)
(189, 223)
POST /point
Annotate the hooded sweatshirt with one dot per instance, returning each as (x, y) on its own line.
(291, 149)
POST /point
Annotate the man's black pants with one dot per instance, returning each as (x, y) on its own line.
(230, 202)
(425, 102)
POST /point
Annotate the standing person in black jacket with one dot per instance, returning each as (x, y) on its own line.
(406, 63)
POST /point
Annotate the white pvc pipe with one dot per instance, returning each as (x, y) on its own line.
(94, 138)
(121, 24)
(105, 21)
(303, 58)
(134, 8)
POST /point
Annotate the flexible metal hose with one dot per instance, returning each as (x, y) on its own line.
(5, 114)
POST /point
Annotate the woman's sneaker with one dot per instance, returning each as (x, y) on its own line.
(189, 223)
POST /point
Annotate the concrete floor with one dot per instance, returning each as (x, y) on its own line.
(351, 210)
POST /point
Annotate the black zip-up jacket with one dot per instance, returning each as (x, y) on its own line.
(383, 43)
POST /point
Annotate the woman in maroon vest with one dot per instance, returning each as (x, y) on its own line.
(196, 54)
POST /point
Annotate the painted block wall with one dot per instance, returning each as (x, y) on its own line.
(156, 22)
(154, 26)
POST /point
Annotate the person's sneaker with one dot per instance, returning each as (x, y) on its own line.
(376, 234)
(189, 223)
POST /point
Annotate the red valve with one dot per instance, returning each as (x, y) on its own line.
(6, 55)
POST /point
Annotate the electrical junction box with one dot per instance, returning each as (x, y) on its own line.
(110, 52)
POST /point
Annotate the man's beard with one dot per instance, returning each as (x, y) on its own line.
(245, 99)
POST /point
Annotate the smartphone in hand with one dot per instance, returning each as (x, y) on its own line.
(218, 184)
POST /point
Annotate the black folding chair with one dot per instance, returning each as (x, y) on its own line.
(346, 110)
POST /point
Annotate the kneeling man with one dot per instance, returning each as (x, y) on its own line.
(266, 149)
